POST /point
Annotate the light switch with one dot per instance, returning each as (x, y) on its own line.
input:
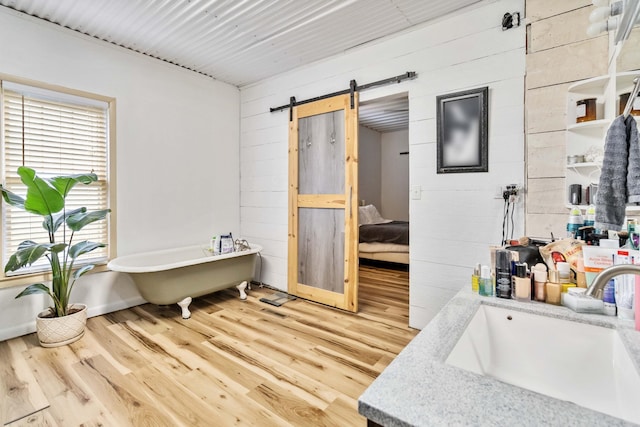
(416, 192)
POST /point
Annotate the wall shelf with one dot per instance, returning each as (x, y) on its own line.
(586, 165)
(631, 209)
(590, 136)
(624, 81)
(591, 126)
(594, 86)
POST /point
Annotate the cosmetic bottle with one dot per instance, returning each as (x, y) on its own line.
(503, 274)
(609, 298)
(485, 287)
(564, 272)
(475, 278)
(540, 280)
(522, 283)
(581, 276)
(553, 289)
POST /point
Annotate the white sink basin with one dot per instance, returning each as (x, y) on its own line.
(584, 364)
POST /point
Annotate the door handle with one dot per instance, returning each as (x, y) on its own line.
(350, 198)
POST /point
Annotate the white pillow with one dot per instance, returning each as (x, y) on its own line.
(370, 215)
(363, 215)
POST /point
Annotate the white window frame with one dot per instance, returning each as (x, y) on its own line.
(40, 276)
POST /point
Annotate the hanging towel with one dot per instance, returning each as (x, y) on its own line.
(620, 177)
(633, 173)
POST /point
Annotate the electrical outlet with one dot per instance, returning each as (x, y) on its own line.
(510, 192)
(416, 192)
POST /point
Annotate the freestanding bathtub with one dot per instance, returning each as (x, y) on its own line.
(178, 275)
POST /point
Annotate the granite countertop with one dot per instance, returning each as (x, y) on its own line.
(419, 389)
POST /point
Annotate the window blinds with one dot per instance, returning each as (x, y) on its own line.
(55, 134)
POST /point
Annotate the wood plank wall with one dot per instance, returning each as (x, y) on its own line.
(559, 52)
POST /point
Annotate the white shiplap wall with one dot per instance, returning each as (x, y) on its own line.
(457, 217)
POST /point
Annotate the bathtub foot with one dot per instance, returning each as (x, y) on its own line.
(241, 287)
(184, 305)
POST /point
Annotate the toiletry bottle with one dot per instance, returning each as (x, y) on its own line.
(581, 276)
(636, 302)
(540, 279)
(564, 272)
(574, 223)
(553, 289)
(503, 274)
(486, 282)
(475, 278)
(523, 283)
(609, 298)
(590, 218)
(515, 259)
(214, 246)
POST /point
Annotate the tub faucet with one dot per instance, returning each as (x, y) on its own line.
(596, 289)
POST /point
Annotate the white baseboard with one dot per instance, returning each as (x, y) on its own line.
(30, 327)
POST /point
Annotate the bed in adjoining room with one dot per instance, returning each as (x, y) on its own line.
(382, 239)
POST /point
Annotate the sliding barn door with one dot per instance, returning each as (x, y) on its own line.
(323, 202)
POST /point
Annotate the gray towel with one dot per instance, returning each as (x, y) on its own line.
(620, 177)
(633, 174)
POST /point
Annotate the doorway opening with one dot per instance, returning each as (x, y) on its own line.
(383, 175)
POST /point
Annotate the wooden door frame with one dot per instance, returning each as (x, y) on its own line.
(347, 201)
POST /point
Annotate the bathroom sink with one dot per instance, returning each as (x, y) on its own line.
(577, 362)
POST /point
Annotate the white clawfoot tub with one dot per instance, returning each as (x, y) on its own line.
(177, 275)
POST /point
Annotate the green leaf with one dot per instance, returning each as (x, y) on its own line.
(58, 219)
(28, 253)
(84, 247)
(57, 248)
(42, 197)
(81, 271)
(64, 183)
(26, 244)
(34, 289)
(12, 198)
(78, 221)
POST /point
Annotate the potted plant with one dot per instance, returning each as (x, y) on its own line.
(62, 323)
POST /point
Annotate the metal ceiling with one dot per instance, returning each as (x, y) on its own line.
(238, 41)
(387, 114)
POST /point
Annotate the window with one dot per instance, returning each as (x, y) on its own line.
(54, 132)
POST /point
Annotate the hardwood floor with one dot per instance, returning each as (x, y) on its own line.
(233, 363)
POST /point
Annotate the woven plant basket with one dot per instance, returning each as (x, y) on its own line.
(59, 331)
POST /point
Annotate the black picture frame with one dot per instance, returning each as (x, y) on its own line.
(463, 131)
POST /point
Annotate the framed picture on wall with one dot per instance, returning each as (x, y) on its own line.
(463, 137)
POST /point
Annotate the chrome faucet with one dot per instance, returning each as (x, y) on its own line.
(596, 289)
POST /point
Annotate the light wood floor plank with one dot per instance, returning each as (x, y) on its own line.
(21, 394)
(41, 418)
(234, 362)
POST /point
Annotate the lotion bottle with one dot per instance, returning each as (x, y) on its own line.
(486, 282)
(522, 283)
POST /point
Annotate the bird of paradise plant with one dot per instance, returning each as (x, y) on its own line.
(46, 197)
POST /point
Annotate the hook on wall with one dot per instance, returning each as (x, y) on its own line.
(510, 20)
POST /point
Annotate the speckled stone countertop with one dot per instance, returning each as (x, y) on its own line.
(419, 389)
